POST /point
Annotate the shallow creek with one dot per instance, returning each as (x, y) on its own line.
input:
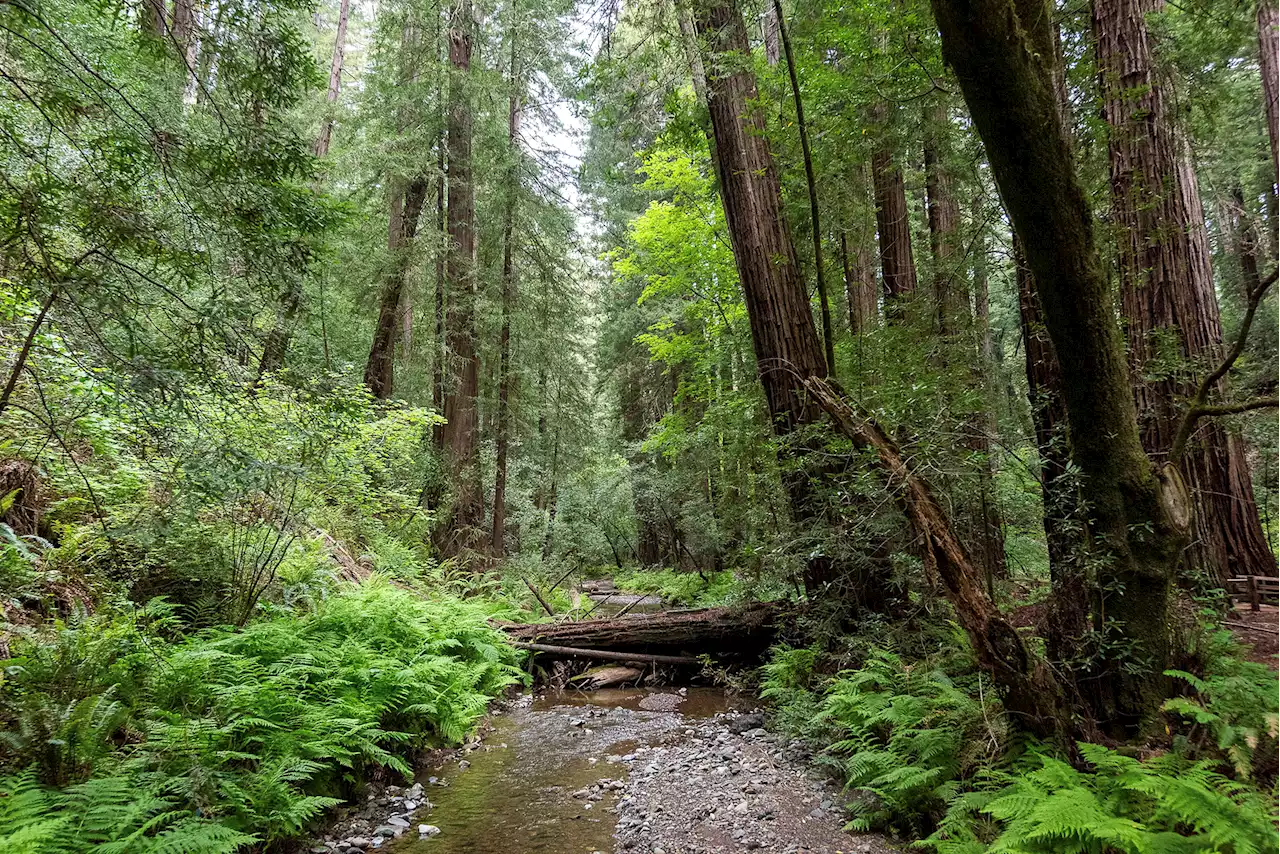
(546, 778)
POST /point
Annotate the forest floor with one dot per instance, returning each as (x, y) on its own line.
(1257, 631)
(633, 771)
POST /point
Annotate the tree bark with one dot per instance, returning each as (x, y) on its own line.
(461, 526)
(950, 296)
(893, 222)
(860, 265)
(782, 329)
(815, 223)
(335, 80)
(406, 208)
(1167, 293)
(1002, 54)
(738, 629)
(497, 544)
(1269, 64)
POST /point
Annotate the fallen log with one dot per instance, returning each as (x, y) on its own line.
(607, 655)
(746, 630)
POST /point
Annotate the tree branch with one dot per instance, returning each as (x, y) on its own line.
(1198, 408)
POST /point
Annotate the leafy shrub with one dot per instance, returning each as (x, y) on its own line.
(789, 682)
(1164, 805)
(257, 729)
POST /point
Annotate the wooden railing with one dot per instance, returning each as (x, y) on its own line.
(1257, 590)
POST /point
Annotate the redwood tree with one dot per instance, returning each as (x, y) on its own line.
(893, 223)
(460, 528)
(1166, 288)
(1002, 53)
(782, 330)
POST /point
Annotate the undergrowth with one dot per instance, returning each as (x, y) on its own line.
(690, 589)
(926, 753)
(206, 742)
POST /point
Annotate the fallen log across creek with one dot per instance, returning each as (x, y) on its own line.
(678, 635)
(608, 654)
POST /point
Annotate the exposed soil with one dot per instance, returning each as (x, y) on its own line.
(1257, 631)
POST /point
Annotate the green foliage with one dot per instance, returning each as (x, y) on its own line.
(691, 589)
(1232, 707)
(258, 728)
(104, 816)
(909, 735)
(1161, 805)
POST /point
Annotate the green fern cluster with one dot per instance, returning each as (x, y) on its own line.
(907, 736)
(1164, 805)
(256, 730)
(1231, 709)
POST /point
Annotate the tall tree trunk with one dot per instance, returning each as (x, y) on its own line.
(1166, 287)
(1068, 615)
(815, 223)
(893, 223)
(155, 18)
(406, 208)
(1002, 54)
(335, 80)
(950, 296)
(782, 330)
(461, 527)
(497, 538)
(1269, 63)
(860, 265)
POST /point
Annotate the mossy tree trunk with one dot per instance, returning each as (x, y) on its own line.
(1002, 53)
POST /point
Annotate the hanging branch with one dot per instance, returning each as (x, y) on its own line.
(1199, 407)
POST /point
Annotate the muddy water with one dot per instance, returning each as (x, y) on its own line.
(518, 792)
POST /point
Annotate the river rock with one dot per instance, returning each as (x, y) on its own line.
(428, 830)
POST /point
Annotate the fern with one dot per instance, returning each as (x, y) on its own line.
(239, 734)
(1232, 708)
(1163, 805)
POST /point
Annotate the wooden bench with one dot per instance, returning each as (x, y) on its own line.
(1254, 589)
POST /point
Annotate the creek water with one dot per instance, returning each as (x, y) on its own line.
(518, 792)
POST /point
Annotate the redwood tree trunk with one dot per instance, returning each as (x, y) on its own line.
(811, 183)
(1167, 293)
(497, 538)
(857, 254)
(893, 222)
(461, 527)
(1268, 45)
(950, 296)
(782, 329)
(1002, 54)
(406, 208)
(335, 79)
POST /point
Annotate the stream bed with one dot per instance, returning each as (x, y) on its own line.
(615, 771)
(520, 785)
